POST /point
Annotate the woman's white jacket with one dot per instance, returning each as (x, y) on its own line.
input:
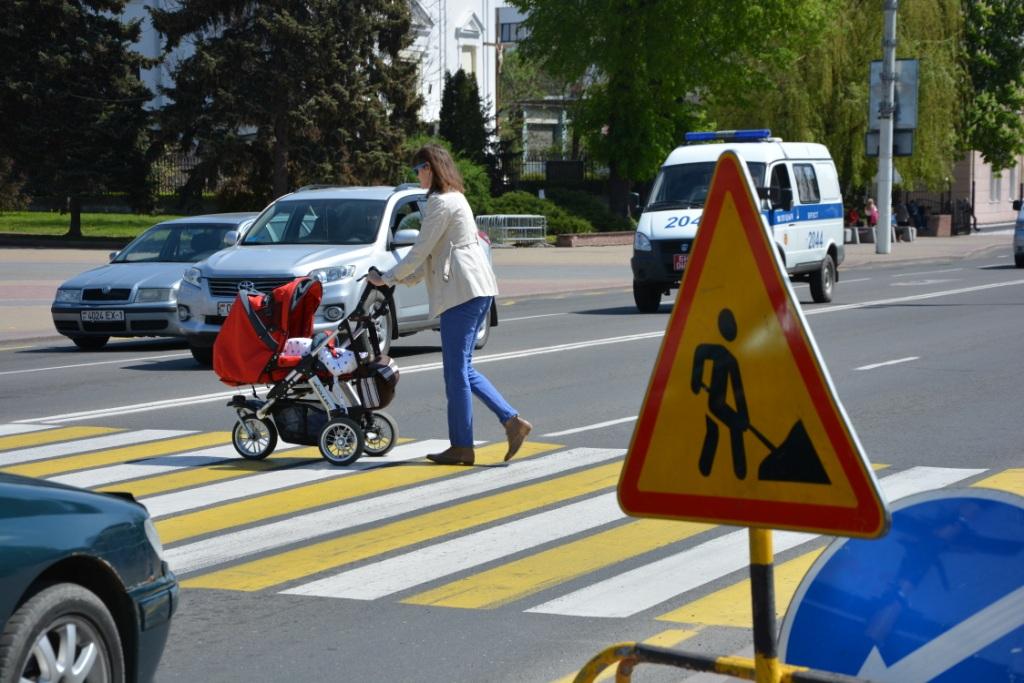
(448, 254)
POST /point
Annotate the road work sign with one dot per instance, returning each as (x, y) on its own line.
(740, 424)
(940, 598)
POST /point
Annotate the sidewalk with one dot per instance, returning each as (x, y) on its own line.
(29, 277)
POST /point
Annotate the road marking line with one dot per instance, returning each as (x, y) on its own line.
(299, 563)
(542, 571)
(927, 272)
(124, 361)
(642, 588)
(912, 297)
(598, 425)
(224, 492)
(10, 429)
(532, 317)
(394, 574)
(888, 362)
(147, 443)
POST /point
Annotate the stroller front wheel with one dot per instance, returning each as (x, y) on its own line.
(381, 433)
(253, 438)
(341, 441)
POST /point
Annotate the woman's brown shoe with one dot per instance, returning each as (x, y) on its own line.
(454, 455)
(516, 430)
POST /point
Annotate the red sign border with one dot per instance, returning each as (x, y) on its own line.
(870, 517)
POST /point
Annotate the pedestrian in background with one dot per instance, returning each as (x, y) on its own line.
(871, 211)
(461, 287)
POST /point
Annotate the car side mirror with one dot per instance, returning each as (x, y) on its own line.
(404, 238)
(1016, 205)
(230, 238)
(113, 255)
(634, 202)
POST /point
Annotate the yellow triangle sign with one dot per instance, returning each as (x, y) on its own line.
(740, 424)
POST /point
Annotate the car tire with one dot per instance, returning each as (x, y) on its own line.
(385, 323)
(202, 355)
(1018, 259)
(647, 297)
(48, 615)
(90, 343)
(823, 281)
(484, 333)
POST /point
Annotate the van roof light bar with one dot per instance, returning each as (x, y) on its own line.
(752, 135)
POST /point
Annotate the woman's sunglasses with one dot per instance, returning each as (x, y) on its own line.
(418, 167)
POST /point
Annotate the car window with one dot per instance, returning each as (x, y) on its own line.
(806, 183)
(318, 221)
(684, 186)
(186, 243)
(407, 217)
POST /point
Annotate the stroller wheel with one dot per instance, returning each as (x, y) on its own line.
(253, 438)
(381, 433)
(341, 441)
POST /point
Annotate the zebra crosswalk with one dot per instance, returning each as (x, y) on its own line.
(543, 535)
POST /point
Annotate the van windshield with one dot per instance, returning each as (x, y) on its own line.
(318, 221)
(685, 186)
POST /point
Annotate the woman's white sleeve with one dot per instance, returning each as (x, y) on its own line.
(412, 268)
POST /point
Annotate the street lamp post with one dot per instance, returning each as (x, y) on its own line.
(886, 114)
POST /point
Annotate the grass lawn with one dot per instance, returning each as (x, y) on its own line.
(93, 224)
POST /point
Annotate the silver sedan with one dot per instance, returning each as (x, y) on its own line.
(135, 295)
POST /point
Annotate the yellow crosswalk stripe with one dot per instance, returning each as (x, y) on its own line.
(208, 474)
(517, 579)
(668, 638)
(51, 436)
(1011, 481)
(150, 449)
(310, 496)
(333, 553)
(731, 605)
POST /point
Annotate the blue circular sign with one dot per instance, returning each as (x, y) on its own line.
(940, 598)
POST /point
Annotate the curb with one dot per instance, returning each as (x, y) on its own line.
(596, 239)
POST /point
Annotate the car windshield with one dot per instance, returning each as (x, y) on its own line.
(181, 243)
(318, 221)
(685, 186)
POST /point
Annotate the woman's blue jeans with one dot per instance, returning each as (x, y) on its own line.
(459, 326)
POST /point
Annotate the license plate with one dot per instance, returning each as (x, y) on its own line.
(102, 316)
(679, 261)
(223, 308)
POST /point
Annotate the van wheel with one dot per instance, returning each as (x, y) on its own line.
(823, 282)
(202, 355)
(647, 297)
(1019, 260)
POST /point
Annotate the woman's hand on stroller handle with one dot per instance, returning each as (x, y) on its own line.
(373, 277)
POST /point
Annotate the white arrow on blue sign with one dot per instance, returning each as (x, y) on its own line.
(941, 597)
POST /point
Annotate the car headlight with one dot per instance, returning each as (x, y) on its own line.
(150, 294)
(333, 274)
(69, 296)
(154, 539)
(641, 242)
(192, 276)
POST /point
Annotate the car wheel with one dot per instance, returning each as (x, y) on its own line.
(255, 439)
(484, 333)
(823, 281)
(202, 355)
(64, 632)
(385, 322)
(1019, 260)
(647, 297)
(341, 441)
(90, 343)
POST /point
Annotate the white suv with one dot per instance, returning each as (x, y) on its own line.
(334, 234)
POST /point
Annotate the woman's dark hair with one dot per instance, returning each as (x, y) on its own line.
(445, 176)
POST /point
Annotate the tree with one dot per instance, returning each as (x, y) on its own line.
(649, 64)
(463, 120)
(290, 92)
(71, 100)
(994, 61)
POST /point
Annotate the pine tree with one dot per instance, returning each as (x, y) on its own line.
(464, 117)
(291, 92)
(71, 101)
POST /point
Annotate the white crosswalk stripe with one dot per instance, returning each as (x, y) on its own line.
(634, 591)
(150, 467)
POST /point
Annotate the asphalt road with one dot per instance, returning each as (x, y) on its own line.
(490, 573)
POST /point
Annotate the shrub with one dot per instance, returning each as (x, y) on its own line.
(590, 208)
(559, 221)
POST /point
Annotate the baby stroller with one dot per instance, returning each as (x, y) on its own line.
(326, 390)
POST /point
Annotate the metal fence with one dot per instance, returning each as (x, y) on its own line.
(511, 230)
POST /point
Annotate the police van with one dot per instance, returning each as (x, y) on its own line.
(801, 206)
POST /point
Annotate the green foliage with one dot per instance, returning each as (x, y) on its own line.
(11, 196)
(560, 222)
(71, 100)
(117, 225)
(591, 209)
(994, 61)
(463, 120)
(288, 93)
